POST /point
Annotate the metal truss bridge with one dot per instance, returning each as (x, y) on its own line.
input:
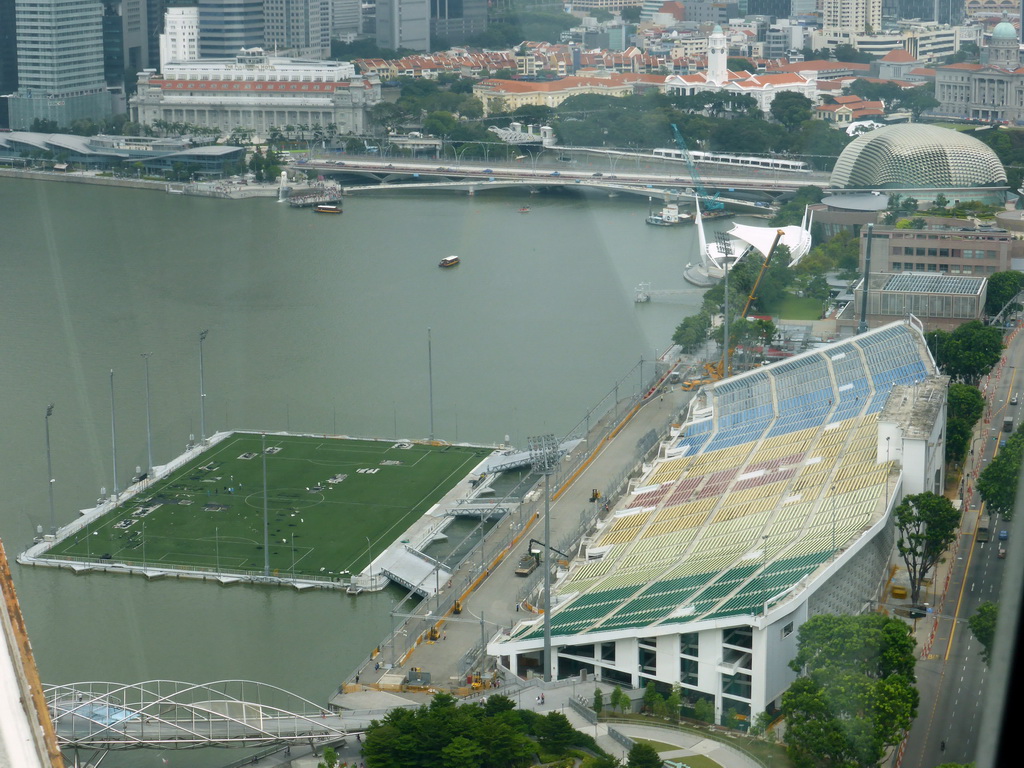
(165, 714)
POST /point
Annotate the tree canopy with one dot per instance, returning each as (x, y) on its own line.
(964, 406)
(926, 524)
(495, 735)
(856, 696)
(997, 483)
(967, 353)
(983, 625)
(1002, 287)
(791, 108)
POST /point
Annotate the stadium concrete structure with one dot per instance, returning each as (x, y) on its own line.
(928, 158)
(772, 503)
(257, 91)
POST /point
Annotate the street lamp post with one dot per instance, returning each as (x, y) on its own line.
(202, 390)
(49, 471)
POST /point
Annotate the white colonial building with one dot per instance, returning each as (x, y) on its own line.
(257, 91)
(719, 79)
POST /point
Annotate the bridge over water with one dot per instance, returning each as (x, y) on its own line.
(165, 714)
(657, 180)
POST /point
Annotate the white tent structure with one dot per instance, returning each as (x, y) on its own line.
(741, 240)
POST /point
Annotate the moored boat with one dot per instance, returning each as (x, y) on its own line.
(449, 261)
(668, 216)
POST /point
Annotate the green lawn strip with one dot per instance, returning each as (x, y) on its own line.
(795, 308)
(210, 512)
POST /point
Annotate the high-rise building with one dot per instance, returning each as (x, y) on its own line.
(180, 39)
(453, 21)
(8, 57)
(851, 17)
(60, 62)
(780, 9)
(227, 26)
(298, 27)
(403, 24)
(346, 17)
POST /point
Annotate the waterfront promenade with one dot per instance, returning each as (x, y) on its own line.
(492, 604)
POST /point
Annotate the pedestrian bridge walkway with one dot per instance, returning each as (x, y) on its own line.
(165, 714)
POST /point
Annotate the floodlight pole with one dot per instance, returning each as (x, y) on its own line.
(430, 384)
(543, 455)
(49, 470)
(266, 521)
(113, 433)
(202, 390)
(149, 420)
(216, 544)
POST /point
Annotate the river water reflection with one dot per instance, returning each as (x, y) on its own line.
(316, 323)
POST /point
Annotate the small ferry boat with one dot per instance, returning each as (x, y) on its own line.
(525, 209)
(448, 261)
(327, 209)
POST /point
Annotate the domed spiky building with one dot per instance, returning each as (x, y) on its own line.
(915, 156)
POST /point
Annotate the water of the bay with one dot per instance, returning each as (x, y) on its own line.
(317, 324)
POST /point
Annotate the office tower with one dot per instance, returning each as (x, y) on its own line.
(8, 57)
(851, 17)
(60, 62)
(403, 24)
(346, 17)
(226, 26)
(453, 21)
(180, 39)
(298, 27)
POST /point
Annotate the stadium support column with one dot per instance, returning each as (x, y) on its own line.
(543, 456)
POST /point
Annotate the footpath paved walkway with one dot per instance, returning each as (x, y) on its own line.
(492, 606)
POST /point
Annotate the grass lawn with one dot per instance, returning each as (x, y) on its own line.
(795, 308)
(332, 505)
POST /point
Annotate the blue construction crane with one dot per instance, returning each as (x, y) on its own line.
(708, 202)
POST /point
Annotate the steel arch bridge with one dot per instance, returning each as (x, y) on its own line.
(166, 714)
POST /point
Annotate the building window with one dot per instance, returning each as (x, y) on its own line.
(688, 671)
(689, 643)
(738, 685)
(787, 629)
(608, 652)
(742, 637)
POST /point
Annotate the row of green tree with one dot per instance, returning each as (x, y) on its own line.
(997, 483)
(494, 735)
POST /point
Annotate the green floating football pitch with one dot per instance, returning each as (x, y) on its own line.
(325, 498)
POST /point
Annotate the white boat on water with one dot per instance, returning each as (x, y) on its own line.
(449, 261)
(669, 216)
